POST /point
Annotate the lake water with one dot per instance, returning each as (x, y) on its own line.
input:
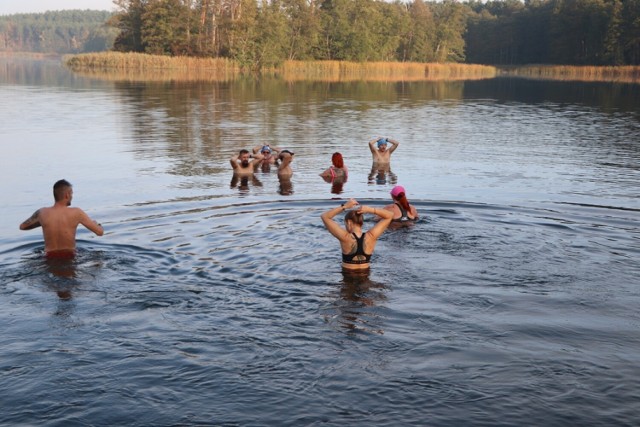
(513, 301)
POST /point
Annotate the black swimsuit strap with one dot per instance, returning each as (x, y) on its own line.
(404, 215)
(348, 258)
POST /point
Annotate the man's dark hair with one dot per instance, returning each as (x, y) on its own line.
(59, 188)
(243, 151)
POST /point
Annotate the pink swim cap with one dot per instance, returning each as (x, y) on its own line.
(397, 190)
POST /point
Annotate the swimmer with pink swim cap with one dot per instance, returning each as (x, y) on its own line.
(402, 210)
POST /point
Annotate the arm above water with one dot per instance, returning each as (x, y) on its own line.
(286, 160)
(32, 222)
(332, 226)
(89, 223)
(234, 162)
(372, 144)
(385, 219)
(394, 145)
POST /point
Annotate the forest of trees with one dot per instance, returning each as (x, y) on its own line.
(259, 33)
(67, 31)
(264, 32)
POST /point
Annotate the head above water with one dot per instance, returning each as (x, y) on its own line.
(382, 142)
(265, 149)
(354, 217)
(60, 189)
(397, 190)
(243, 157)
(399, 195)
(283, 152)
(337, 160)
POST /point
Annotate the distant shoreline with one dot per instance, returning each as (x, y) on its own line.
(139, 66)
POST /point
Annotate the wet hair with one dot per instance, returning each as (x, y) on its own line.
(243, 151)
(59, 188)
(337, 160)
(354, 216)
(402, 199)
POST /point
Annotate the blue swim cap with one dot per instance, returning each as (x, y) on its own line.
(382, 141)
(265, 149)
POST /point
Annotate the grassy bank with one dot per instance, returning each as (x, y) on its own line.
(137, 66)
(622, 74)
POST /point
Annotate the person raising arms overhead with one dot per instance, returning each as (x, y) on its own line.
(357, 245)
(379, 151)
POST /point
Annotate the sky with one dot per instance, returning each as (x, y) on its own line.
(8, 7)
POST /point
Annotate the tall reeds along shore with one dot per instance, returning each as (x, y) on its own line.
(620, 74)
(381, 71)
(138, 66)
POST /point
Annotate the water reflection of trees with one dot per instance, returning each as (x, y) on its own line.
(196, 124)
(42, 71)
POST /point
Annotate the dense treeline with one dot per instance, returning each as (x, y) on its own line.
(573, 32)
(67, 31)
(263, 33)
(266, 32)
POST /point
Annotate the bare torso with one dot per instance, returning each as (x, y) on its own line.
(59, 224)
(381, 157)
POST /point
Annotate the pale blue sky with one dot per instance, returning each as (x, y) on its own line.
(8, 7)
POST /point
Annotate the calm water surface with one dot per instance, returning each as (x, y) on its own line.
(211, 301)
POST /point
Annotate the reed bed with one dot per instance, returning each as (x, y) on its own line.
(619, 74)
(381, 71)
(138, 66)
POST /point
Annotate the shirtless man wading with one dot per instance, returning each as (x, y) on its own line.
(379, 151)
(60, 222)
(244, 163)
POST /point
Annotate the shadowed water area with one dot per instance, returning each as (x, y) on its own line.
(213, 301)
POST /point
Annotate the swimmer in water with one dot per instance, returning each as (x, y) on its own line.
(401, 209)
(284, 168)
(269, 154)
(337, 169)
(357, 245)
(244, 163)
(379, 151)
(60, 222)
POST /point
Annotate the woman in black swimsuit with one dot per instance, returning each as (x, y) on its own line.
(401, 209)
(357, 246)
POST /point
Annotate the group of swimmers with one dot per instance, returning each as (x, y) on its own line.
(356, 244)
(60, 221)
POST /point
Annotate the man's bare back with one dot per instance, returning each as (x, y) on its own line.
(60, 222)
